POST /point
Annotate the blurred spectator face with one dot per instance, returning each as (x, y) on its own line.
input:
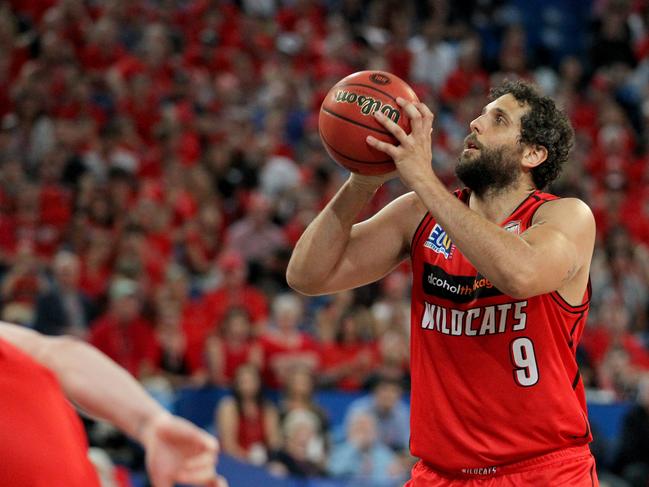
(177, 283)
(124, 299)
(66, 270)
(234, 269)
(362, 430)
(300, 383)
(300, 429)
(259, 208)
(237, 326)
(247, 382)
(287, 312)
(386, 396)
(643, 392)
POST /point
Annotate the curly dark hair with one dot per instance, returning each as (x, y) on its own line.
(544, 124)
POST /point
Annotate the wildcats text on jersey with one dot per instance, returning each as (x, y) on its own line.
(485, 320)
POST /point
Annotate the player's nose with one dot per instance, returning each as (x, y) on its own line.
(476, 125)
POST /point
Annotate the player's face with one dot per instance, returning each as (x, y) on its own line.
(492, 153)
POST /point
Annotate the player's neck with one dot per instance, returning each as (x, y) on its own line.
(497, 206)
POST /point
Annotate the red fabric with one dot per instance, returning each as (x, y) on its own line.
(494, 378)
(597, 341)
(42, 441)
(235, 357)
(275, 350)
(251, 430)
(218, 302)
(565, 467)
(333, 355)
(132, 346)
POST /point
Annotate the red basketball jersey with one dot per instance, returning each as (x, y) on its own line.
(494, 378)
(42, 442)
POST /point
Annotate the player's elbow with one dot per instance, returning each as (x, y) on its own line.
(301, 283)
(520, 286)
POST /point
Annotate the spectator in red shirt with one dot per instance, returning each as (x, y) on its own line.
(235, 291)
(284, 345)
(248, 425)
(231, 347)
(123, 334)
(347, 362)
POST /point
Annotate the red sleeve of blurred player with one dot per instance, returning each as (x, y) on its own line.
(42, 441)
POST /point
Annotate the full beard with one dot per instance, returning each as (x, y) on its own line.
(489, 172)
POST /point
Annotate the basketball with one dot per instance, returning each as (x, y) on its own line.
(346, 119)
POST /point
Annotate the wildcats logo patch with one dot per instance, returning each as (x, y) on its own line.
(439, 242)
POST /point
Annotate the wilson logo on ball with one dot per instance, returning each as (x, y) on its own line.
(379, 79)
(367, 104)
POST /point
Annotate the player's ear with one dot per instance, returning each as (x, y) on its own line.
(533, 155)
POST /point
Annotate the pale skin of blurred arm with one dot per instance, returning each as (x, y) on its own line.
(176, 449)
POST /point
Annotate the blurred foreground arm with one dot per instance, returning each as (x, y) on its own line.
(176, 450)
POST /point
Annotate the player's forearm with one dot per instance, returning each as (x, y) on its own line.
(323, 243)
(100, 387)
(500, 256)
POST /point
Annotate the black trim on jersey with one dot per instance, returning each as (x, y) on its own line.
(543, 201)
(419, 231)
(459, 289)
(520, 205)
(575, 381)
(585, 435)
(575, 310)
(574, 327)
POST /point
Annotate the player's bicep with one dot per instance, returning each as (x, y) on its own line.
(377, 245)
(562, 238)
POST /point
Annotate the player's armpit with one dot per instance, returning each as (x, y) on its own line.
(562, 237)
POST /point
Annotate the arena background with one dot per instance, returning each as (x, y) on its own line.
(159, 159)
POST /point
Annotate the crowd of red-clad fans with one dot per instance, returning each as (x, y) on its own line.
(159, 159)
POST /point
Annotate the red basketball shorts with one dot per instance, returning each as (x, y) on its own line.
(572, 467)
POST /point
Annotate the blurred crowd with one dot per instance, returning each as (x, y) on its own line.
(159, 159)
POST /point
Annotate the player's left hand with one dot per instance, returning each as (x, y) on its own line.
(413, 155)
(179, 452)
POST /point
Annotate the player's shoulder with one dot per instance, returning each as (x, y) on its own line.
(570, 209)
(571, 216)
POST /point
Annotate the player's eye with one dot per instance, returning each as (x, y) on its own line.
(500, 119)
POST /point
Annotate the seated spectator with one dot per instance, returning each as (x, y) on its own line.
(362, 457)
(632, 461)
(394, 360)
(391, 414)
(63, 309)
(348, 360)
(232, 346)
(247, 424)
(235, 291)
(256, 236)
(302, 453)
(123, 334)
(298, 396)
(284, 346)
(21, 285)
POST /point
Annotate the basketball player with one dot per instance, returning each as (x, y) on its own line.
(42, 442)
(500, 293)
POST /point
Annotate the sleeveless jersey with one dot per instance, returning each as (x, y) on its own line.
(42, 441)
(494, 378)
